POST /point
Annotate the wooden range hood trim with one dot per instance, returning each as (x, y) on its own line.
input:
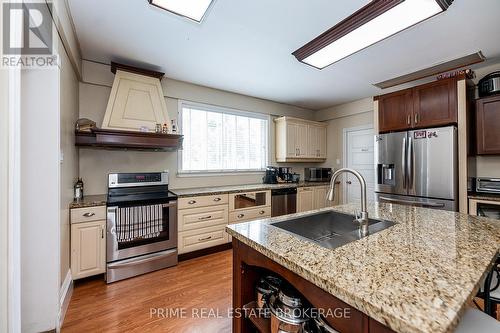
(114, 139)
(136, 70)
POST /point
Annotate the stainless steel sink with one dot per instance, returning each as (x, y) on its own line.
(330, 229)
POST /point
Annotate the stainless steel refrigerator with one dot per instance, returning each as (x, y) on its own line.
(418, 168)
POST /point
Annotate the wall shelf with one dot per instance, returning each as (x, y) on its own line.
(114, 139)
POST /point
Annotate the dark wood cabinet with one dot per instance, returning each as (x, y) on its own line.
(429, 105)
(488, 125)
(435, 104)
(395, 111)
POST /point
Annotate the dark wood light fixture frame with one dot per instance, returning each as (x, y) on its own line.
(364, 15)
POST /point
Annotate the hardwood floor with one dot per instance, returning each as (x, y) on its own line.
(137, 304)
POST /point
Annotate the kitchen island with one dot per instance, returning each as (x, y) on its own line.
(416, 276)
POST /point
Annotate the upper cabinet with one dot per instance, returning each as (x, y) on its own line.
(487, 125)
(299, 140)
(429, 105)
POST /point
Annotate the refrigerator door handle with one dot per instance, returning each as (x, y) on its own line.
(403, 162)
(411, 157)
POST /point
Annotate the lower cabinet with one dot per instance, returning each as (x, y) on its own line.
(88, 248)
(311, 198)
(202, 238)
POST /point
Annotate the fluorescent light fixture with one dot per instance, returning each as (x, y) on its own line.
(374, 22)
(192, 9)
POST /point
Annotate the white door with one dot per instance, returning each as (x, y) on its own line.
(358, 155)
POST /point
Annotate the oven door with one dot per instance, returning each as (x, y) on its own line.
(137, 230)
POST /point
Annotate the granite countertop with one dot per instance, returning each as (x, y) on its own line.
(190, 192)
(416, 276)
(90, 201)
(485, 196)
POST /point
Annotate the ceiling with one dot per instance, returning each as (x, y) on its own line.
(245, 46)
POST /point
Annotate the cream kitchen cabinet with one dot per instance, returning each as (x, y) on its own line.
(305, 199)
(320, 201)
(88, 242)
(299, 140)
(249, 206)
(202, 221)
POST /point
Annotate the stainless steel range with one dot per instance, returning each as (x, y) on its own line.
(141, 225)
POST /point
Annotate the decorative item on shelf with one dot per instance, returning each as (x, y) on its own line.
(85, 125)
(78, 190)
(164, 129)
(174, 126)
(158, 128)
(469, 74)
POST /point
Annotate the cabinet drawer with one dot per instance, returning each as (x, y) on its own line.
(250, 214)
(202, 201)
(88, 214)
(193, 240)
(202, 217)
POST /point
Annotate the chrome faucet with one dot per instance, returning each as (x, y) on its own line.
(362, 219)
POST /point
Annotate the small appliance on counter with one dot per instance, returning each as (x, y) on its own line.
(317, 174)
(488, 185)
(271, 176)
(285, 175)
(489, 85)
(78, 190)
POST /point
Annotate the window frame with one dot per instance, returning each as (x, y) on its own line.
(225, 110)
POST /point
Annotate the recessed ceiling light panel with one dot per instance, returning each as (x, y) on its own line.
(374, 22)
(192, 9)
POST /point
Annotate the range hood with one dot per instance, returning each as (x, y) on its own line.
(136, 100)
(136, 104)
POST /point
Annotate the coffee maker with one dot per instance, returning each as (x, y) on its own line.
(271, 176)
(285, 174)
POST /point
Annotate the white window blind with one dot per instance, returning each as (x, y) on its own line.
(222, 140)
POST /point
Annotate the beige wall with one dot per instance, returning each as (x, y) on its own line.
(69, 165)
(353, 114)
(96, 164)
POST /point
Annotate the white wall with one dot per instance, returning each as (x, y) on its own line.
(69, 165)
(40, 199)
(96, 164)
(4, 176)
(348, 115)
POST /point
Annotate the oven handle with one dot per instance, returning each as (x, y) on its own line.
(145, 259)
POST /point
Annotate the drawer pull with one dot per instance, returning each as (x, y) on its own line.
(205, 217)
(89, 214)
(262, 212)
(217, 199)
(204, 238)
(241, 216)
(192, 202)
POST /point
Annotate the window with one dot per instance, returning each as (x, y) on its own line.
(222, 140)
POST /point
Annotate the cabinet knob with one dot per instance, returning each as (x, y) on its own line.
(192, 202)
(204, 239)
(205, 217)
(217, 199)
(241, 216)
(408, 120)
(416, 118)
(262, 212)
(89, 214)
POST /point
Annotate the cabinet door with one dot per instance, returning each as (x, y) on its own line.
(291, 140)
(88, 249)
(487, 125)
(302, 140)
(395, 111)
(435, 104)
(320, 197)
(317, 141)
(305, 199)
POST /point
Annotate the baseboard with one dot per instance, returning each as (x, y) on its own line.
(64, 297)
(204, 252)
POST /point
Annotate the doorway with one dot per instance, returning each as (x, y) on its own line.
(359, 155)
